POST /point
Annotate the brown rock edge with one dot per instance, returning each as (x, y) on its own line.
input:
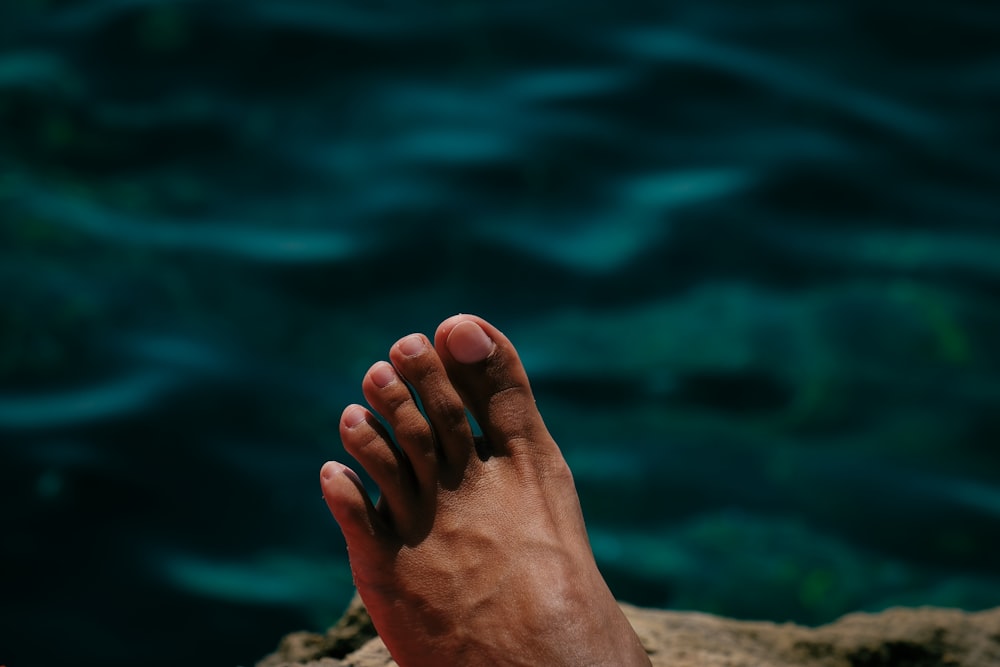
(900, 637)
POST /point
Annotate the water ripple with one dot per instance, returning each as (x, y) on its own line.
(130, 394)
(660, 45)
(259, 244)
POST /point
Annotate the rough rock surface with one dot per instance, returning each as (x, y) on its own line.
(902, 637)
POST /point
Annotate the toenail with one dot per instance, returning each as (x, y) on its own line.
(412, 345)
(383, 374)
(468, 343)
(353, 416)
(332, 468)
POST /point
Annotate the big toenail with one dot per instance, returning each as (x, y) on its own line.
(468, 343)
(353, 416)
(383, 374)
(412, 345)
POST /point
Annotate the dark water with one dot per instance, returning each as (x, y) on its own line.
(750, 254)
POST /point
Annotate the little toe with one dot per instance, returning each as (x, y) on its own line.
(350, 505)
(366, 440)
(485, 368)
(389, 395)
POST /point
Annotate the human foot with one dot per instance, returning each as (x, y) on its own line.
(476, 553)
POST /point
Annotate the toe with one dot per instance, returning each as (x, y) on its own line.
(485, 368)
(367, 441)
(418, 362)
(389, 395)
(350, 505)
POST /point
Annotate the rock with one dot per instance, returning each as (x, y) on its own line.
(346, 637)
(900, 637)
(923, 637)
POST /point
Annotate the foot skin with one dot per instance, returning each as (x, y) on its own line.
(476, 552)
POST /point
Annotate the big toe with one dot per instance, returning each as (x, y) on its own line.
(485, 369)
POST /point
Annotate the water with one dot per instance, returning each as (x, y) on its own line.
(750, 256)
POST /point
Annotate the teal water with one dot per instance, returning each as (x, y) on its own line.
(751, 257)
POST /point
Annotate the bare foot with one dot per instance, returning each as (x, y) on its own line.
(476, 553)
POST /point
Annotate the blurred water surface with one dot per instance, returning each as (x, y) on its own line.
(750, 255)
